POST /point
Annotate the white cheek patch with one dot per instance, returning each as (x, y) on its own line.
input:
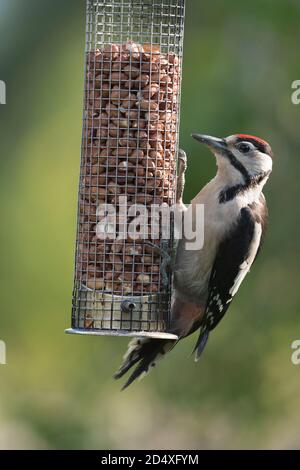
(266, 163)
(255, 164)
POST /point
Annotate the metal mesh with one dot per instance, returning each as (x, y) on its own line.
(129, 148)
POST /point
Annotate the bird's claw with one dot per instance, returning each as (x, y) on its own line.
(182, 158)
(165, 259)
(182, 166)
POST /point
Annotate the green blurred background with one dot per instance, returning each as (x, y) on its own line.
(57, 391)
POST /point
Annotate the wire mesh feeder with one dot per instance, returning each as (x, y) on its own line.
(129, 148)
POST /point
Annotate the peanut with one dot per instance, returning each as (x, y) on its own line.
(148, 105)
(131, 71)
(125, 166)
(143, 279)
(111, 51)
(96, 284)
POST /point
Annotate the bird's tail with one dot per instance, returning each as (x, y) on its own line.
(144, 352)
(201, 343)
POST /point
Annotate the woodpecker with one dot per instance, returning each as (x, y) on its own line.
(205, 281)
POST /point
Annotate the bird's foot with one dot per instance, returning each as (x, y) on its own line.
(166, 259)
(182, 166)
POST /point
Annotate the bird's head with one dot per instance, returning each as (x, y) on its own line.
(240, 157)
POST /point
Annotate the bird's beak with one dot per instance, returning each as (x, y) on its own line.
(213, 143)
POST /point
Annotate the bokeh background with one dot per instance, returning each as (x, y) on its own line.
(57, 391)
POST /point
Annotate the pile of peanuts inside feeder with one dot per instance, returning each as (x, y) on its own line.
(129, 149)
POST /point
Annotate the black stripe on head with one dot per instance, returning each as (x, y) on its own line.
(238, 166)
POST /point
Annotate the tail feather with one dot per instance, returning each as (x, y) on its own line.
(130, 358)
(201, 343)
(144, 352)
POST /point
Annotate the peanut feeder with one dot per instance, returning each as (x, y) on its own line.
(128, 166)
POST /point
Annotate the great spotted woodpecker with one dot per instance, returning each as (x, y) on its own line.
(205, 281)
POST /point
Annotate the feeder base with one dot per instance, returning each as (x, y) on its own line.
(130, 334)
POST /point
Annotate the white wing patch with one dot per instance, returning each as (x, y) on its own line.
(216, 299)
(246, 265)
(210, 318)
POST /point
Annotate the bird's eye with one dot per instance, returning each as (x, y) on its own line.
(244, 147)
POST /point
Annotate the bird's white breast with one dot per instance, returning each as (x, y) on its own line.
(193, 268)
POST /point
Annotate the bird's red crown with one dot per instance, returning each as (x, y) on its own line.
(252, 137)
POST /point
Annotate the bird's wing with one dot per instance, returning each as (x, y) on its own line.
(261, 215)
(233, 261)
